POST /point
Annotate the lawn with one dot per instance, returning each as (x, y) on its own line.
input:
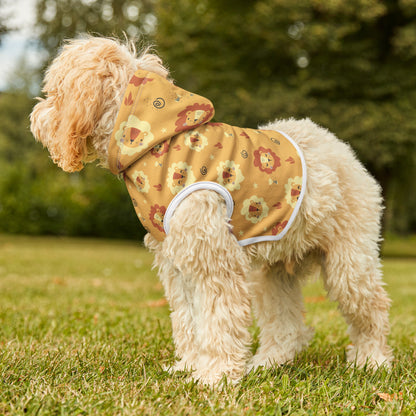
(84, 330)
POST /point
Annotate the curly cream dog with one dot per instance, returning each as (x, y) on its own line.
(211, 281)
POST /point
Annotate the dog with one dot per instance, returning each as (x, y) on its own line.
(213, 278)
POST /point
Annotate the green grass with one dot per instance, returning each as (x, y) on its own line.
(402, 247)
(84, 330)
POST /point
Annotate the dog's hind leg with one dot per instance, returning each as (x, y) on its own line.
(352, 277)
(278, 306)
(210, 301)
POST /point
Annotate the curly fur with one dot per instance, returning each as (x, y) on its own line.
(84, 87)
(210, 281)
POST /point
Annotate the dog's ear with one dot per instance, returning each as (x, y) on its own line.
(67, 116)
(83, 89)
(80, 108)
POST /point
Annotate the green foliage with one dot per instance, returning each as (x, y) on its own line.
(62, 19)
(51, 202)
(4, 28)
(35, 196)
(84, 330)
(38, 198)
(399, 247)
(350, 66)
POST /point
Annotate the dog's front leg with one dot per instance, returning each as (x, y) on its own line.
(179, 292)
(212, 311)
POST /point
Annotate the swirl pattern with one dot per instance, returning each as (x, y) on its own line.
(159, 102)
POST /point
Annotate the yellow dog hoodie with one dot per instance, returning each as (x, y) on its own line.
(165, 147)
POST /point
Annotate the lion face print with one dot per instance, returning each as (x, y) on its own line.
(195, 140)
(292, 190)
(160, 149)
(157, 213)
(279, 227)
(266, 160)
(133, 136)
(255, 209)
(180, 175)
(141, 181)
(229, 175)
(193, 115)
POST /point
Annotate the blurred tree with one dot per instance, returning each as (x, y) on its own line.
(61, 19)
(350, 66)
(36, 197)
(4, 29)
(91, 202)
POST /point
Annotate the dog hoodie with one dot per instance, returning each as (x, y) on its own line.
(166, 147)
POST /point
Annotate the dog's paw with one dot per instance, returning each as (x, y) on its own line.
(369, 356)
(216, 380)
(271, 359)
(278, 351)
(181, 365)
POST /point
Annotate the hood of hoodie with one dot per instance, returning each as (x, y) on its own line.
(153, 110)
